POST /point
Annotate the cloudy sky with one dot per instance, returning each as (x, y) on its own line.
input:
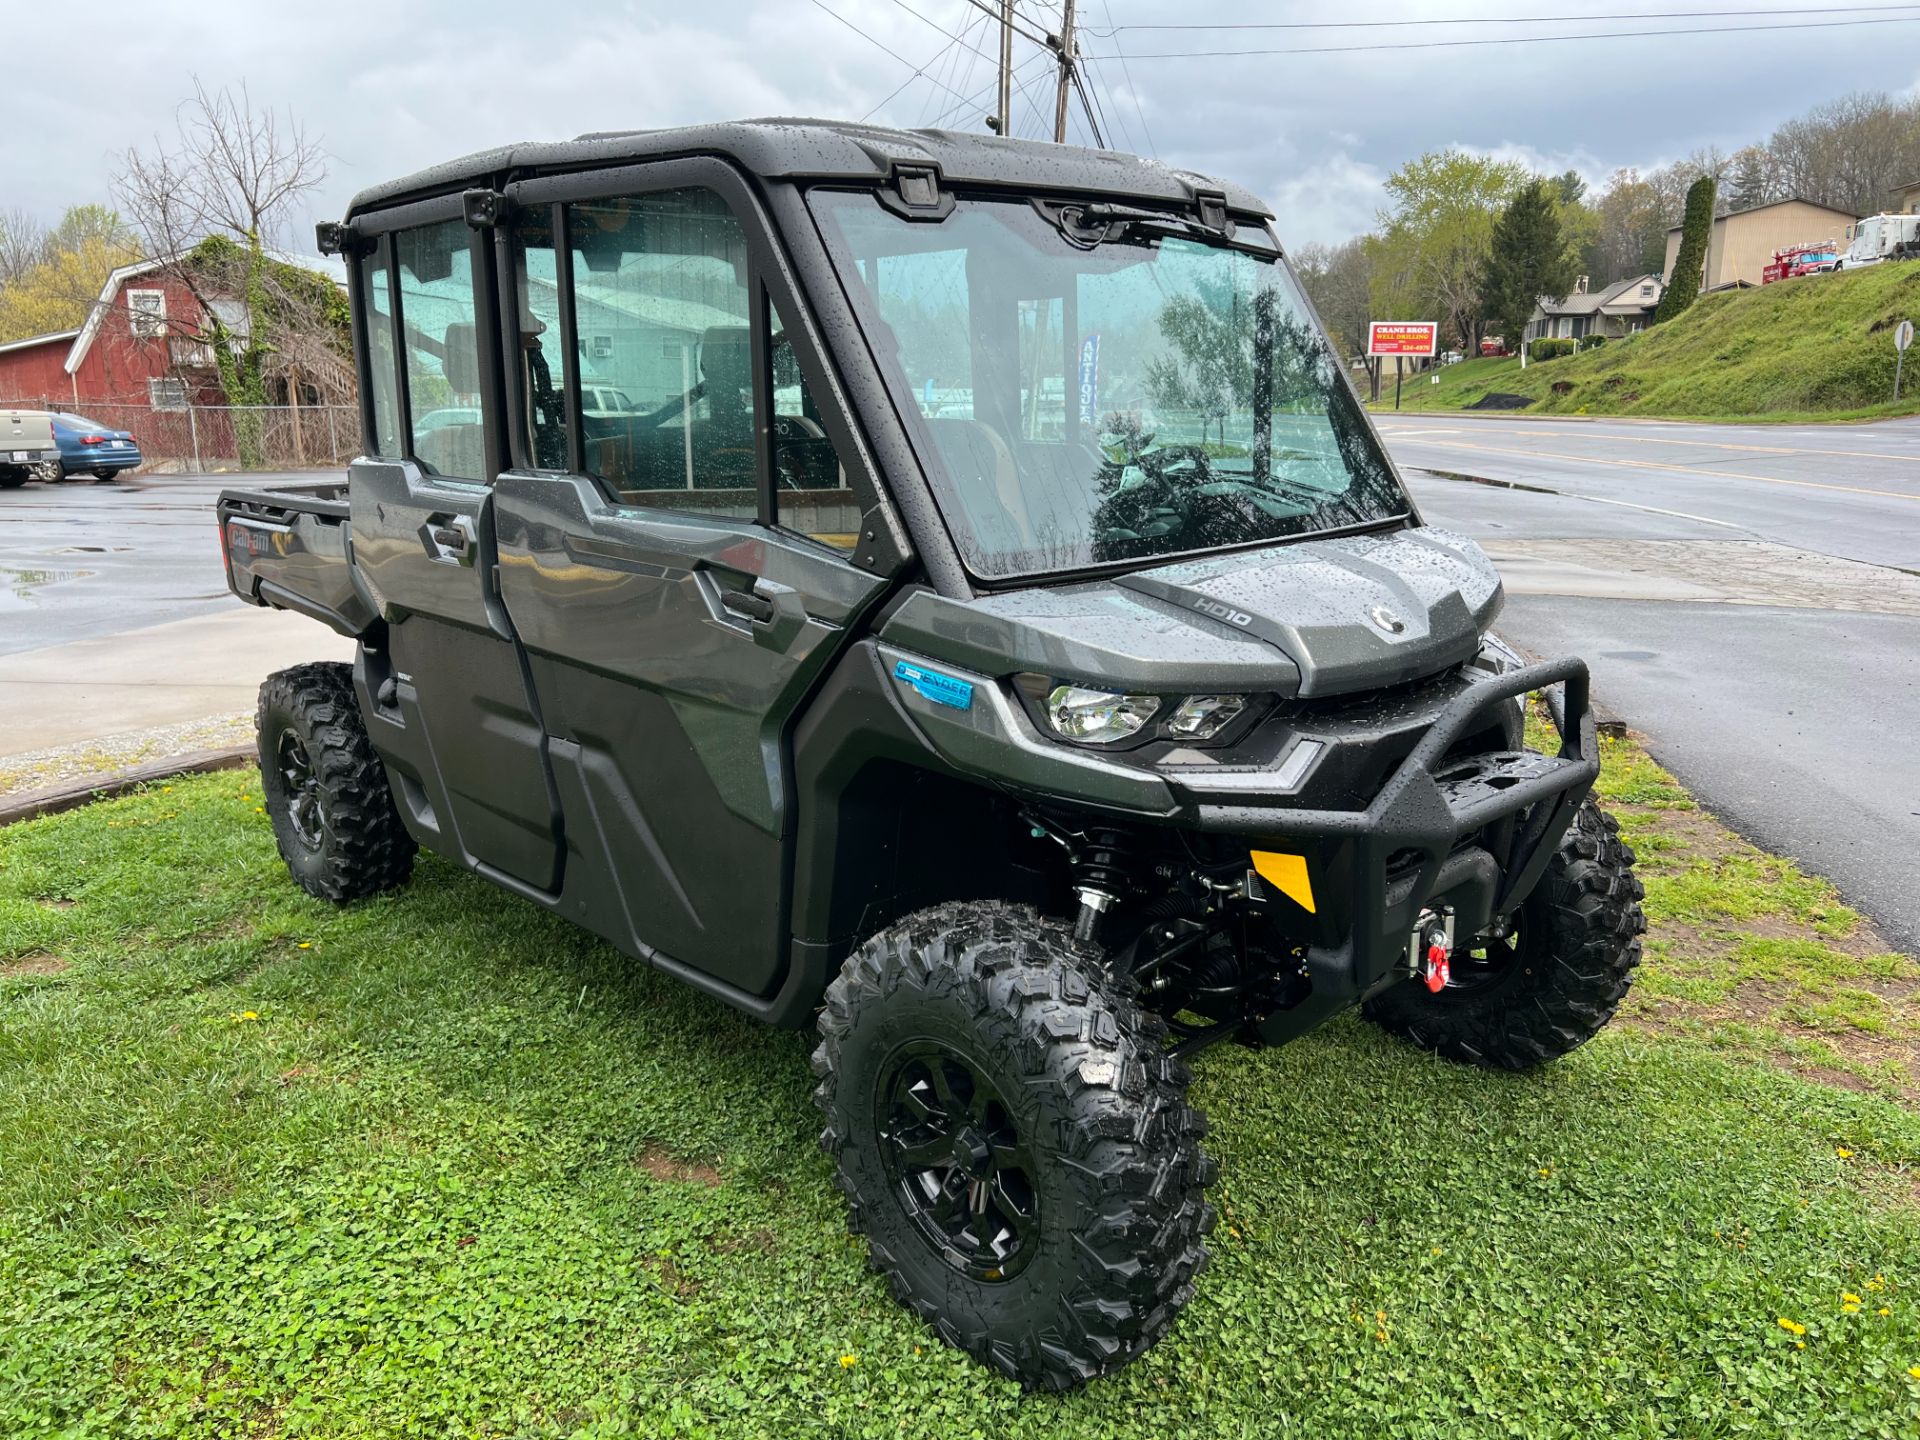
(400, 84)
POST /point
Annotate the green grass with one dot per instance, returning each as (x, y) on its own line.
(1820, 347)
(440, 1164)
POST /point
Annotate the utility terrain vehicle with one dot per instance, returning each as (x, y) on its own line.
(990, 624)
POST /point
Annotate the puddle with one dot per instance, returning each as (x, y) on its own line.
(20, 589)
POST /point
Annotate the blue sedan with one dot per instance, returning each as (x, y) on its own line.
(90, 448)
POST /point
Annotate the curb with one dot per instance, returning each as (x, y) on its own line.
(75, 793)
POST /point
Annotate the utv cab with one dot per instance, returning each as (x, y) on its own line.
(942, 589)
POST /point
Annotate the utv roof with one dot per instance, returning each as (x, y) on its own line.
(809, 150)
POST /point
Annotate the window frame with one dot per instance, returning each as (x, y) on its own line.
(377, 229)
(770, 282)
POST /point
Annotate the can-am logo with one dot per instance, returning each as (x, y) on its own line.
(1223, 612)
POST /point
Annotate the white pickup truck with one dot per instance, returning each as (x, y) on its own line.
(27, 447)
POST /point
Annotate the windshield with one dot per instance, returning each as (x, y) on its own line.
(1122, 391)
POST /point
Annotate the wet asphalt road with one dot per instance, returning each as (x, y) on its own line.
(81, 560)
(1798, 723)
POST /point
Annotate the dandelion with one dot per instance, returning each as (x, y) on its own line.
(847, 1362)
(1799, 1344)
(1844, 1153)
(306, 945)
(1381, 1335)
(1883, 1310)
(1879, 1282)
(1850, 1309)
(1847, 1297)
(1381, 1316)
(1233, 1232)
(1546, 1172)
(1914, 1370)
(1791, 1327)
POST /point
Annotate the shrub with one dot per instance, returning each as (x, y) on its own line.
(1548, 348)
(1592, 342)
(1689, 262)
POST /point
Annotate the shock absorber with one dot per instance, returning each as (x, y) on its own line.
(1100, 867)
(1102, 873)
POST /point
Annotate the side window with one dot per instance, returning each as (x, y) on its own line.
(383, 385)
(543, 362)
(811, 493)
(661, 314)
(443, 349)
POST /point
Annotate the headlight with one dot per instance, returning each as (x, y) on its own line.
(1201, 717)
(1098, 717)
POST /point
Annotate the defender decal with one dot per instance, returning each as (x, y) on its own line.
(932, 685)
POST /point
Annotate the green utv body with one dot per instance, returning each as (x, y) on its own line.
(945, 590)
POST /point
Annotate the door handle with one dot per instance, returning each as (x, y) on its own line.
(747, 605)
(449, 539)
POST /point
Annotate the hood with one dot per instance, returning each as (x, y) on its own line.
(1315, 617)
(1354, 613)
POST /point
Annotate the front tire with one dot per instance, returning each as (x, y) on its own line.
(1554, 982)
(1013, 1141)
(333, 815)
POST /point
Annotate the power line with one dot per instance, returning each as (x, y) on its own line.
(1132, 93)
(1562, 19)
(973, 101)
(1508, 39)
(918, 70)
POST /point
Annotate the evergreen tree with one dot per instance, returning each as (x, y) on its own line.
(1689, 264)
(1528, 260)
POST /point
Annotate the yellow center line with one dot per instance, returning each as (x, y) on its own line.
(1671, 469)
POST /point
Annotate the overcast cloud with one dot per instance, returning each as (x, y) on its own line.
(392, 87)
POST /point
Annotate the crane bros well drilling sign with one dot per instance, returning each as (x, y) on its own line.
(1402, 337)
(1398, 338)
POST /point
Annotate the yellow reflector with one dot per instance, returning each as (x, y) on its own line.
(1287, 874)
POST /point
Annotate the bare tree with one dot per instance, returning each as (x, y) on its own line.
(211, 204)
(23, 243)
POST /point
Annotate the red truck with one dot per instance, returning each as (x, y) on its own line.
(1797, 260)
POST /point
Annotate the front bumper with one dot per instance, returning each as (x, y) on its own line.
(1473, 832)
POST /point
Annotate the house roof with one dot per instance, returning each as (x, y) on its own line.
(330, 266)
(1593, 301)
(33, 340)
(804, 150)
(1788, 200)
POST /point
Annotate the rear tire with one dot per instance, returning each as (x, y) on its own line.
(333, 815)
(12, 479)
(1561, 979)
(1013, 1141)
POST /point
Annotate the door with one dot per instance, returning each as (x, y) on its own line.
(447, 697)
(679, 571)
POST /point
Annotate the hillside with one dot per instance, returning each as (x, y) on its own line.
(1815, 348)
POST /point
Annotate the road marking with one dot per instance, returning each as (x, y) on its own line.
(1585, 433)
(1537, 489)
(1671, 469)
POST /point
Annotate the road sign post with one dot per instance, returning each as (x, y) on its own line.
(1401, 338)
(1902, 338)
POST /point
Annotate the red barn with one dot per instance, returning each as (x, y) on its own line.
(134, 364)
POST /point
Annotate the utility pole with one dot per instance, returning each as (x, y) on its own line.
(1066, 73)
(1004, 118)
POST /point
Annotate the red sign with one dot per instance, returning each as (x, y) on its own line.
(1402, 337)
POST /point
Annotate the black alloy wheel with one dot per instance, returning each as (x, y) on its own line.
(952, 1149)
(302, 789)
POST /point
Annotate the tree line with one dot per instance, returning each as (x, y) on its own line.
(1432, 253)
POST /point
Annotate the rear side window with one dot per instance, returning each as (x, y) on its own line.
(661, 322)
(435, 267)
(382, 382)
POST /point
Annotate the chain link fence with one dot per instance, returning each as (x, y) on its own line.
(229, 437)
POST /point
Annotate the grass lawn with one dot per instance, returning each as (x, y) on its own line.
(1816, 348)
(439, 1164)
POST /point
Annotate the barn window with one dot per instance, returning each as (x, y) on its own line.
(147, 312)
(167, 392)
